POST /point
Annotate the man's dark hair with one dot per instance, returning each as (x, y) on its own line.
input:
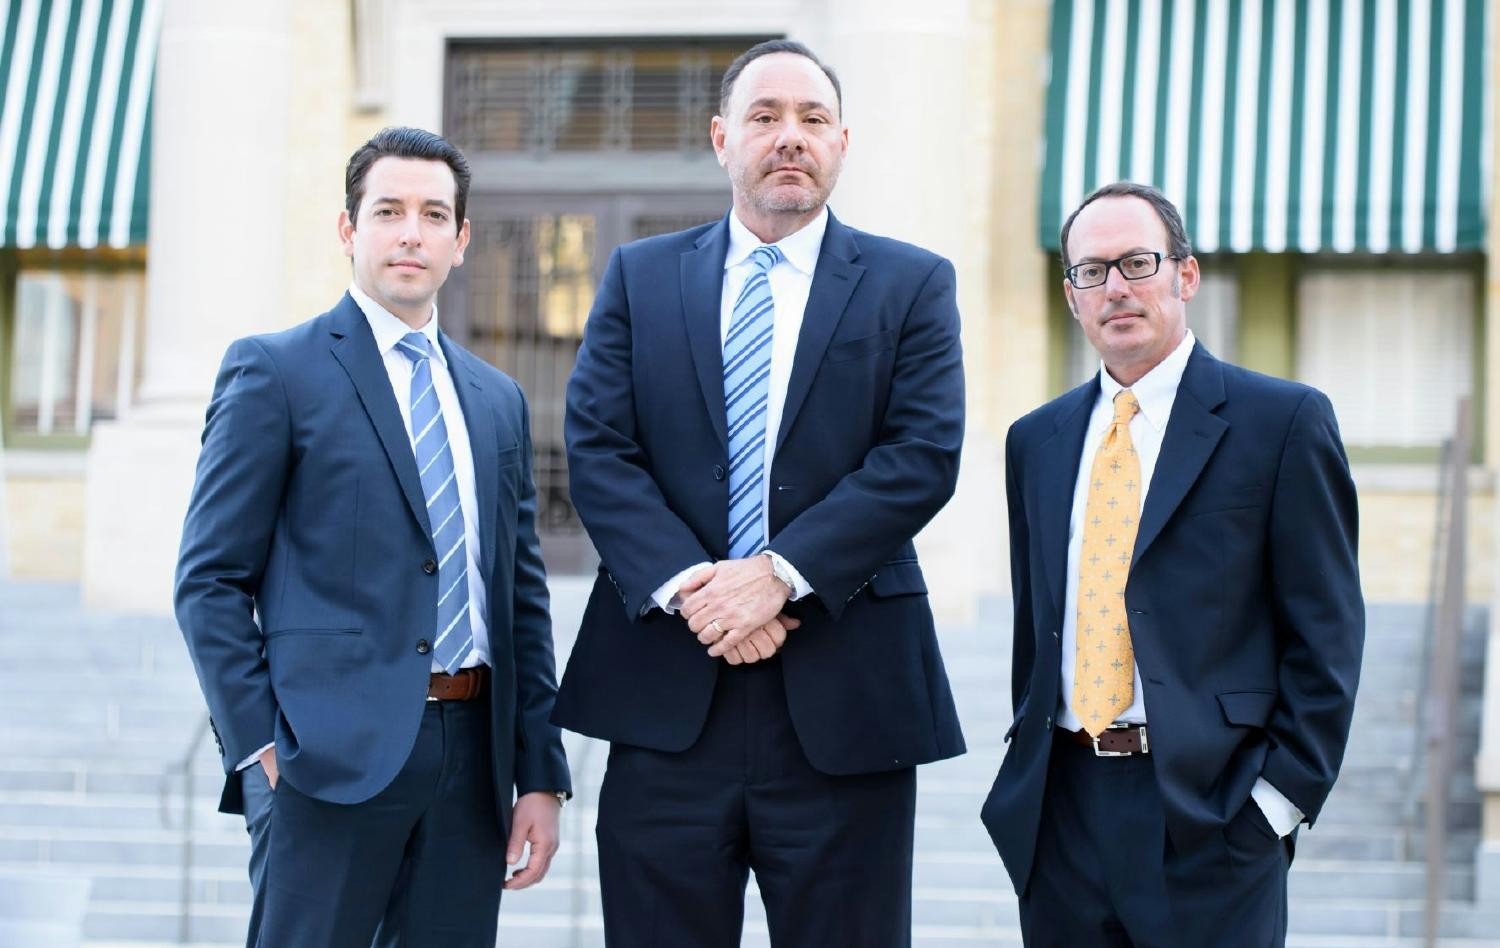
(404, 142)
(1177, 240)
(766, 49)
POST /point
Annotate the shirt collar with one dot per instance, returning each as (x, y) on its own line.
(800, 249)
(389, 329)
(1157, 389)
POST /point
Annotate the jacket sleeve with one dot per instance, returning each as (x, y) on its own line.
(541, 763)
(236, 501)
(1318, 608)
(641, 541)
(911, 471)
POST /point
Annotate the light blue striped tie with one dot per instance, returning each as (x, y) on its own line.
(747, 381)
(454, 636)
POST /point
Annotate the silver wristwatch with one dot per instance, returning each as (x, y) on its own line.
(779, 570)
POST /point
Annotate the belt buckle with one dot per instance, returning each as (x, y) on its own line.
(1145, 747)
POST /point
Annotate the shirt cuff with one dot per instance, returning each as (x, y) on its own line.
(665, 598)
(253, 757)
(800, 587)
(1280, 812)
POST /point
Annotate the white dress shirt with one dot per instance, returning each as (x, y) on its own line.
(1156, 391)
(791, 281)
(389, 330)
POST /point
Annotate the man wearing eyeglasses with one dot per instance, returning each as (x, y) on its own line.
(1188, 618)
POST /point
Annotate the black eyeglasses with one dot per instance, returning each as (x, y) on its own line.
(1135, 266)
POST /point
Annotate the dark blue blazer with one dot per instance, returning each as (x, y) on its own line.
(1244, 599)
(866, 454)
(301, 587)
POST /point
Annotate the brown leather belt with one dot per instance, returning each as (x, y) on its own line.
(464, 685)
(1118, 740)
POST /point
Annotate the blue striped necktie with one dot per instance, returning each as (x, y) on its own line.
(747, 382)
(429, 436)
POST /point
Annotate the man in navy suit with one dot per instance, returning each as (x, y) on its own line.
(1188, 618)
(362, 592)
(764, 413)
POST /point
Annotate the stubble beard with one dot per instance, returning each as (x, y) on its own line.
(786, 199)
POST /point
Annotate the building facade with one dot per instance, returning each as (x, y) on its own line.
(1334, 161)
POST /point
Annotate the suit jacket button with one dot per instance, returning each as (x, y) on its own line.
(429, 567)
(422, 647)
(718, 472)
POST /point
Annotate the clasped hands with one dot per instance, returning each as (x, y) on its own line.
(734, 607)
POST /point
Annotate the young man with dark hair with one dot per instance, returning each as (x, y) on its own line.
(362, 592)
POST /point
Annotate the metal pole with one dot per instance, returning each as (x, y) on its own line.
(185, 765)
(1444, 676)
(581, 765)
(185, 924)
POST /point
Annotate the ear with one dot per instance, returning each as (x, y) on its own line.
(463, 241)
(716, 133)
(346, 233)
(1189, 277)
(1068, 295)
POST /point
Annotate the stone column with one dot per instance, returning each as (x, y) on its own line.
(1487, 764)
(216, 270)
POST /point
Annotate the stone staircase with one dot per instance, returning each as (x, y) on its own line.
(83, 753)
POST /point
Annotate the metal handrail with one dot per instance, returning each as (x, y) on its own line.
(1416, 789)
(184, 767)
(1441, 706)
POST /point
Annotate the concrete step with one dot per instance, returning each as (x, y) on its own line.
(1368, 882)
(540, 916)
(80, 793)
(65, 847)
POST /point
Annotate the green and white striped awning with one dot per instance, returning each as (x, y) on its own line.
(1303, 125)
(75, 121)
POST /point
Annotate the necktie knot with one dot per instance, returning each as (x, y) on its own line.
(766, 256)
(415, 347)
(1126, 407)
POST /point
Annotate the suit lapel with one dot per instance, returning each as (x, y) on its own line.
(355, 350)
(1193, 432)
(833, 283)
(702, 274)
(1059, 457)
(479, 422)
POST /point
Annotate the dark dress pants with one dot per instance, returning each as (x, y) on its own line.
(679, 833)
(419, 864)
(1107, 874)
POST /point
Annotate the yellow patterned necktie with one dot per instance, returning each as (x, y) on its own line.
(1103, 660)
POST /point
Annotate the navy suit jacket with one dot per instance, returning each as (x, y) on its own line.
(866, 454)
(1244, 600)
(301, 587)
